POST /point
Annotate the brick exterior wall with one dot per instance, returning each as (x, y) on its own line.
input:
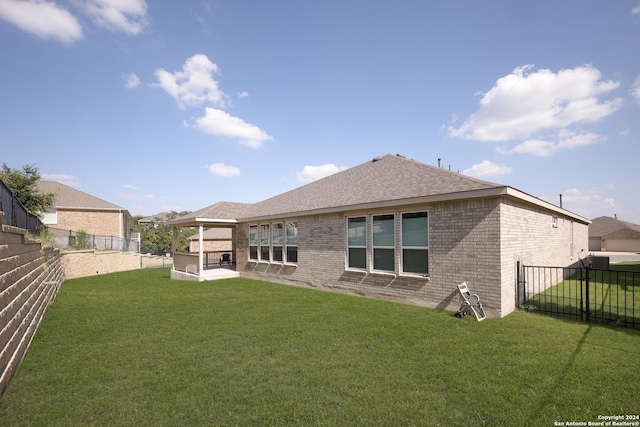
(530, 235)
(101, 223)
(30, 276)
(211, 246)
(477, 241)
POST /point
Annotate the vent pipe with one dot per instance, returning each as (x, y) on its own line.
(439, 160)
(561, 200)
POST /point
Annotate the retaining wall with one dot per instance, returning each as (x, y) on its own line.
(30, 277)
(90, 262)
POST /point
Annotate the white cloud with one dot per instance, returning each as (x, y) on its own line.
(566, 140)
(218, 122)
(126, 16)
(130, 187)
(636, 10)
(194, 85)
(589, 203)
(313, 173)
(635, 89)
(44, 19)
(487, 168)
(132, 80)
(524, 102)
(69, 180)
(220, 169)
(243, 94)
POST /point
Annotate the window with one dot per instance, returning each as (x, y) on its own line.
(50, 217)
(357, 242)
(264, 243)
(253, 242)
(383, 242)
(415, 242)
(292, 242)
(277, 240)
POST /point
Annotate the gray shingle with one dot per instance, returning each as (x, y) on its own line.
(386, 178)
(67, 197)
(605, 225)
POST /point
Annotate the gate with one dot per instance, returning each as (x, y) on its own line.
(608, 296)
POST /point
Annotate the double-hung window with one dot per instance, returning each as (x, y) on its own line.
(384, 252)
(292, 241)
(357, 242)
(253, 242)
(415, 243)
(264, 243)
(277, 241)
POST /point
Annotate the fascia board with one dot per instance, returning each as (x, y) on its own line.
(194, 222)
(544, 204)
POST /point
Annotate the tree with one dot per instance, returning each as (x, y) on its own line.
(23, 184)
(156, 238)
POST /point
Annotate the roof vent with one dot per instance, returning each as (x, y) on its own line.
(376, 159)
(401, 156)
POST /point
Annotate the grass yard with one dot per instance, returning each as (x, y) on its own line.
(614, 295)
(137, 349)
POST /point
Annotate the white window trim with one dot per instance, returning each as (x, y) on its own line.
(260, 245)
(257, 245)
(347, 246)
(427, 248)
(287, 245)
(373, 247)
(282, 245)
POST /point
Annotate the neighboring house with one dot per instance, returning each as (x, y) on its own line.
(74, 210)
(214, 240)
(398, 229)
(613, 235)
(154, 219)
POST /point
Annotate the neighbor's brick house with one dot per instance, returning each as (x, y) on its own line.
(403, 230)
(74, 210)
(214, 240)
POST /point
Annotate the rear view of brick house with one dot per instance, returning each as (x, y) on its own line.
(399, 229)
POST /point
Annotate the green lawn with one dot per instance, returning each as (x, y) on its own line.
(614, 296)
(137, 349)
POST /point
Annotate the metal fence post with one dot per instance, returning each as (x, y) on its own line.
(588, 269)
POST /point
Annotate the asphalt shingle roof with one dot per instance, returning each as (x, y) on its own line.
(605, 225)
(389, 180)
(220, 210)
(386, 178)
(67, 197)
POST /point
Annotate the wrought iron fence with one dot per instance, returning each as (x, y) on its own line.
(16, 214)
(608, 296)
(69, 239)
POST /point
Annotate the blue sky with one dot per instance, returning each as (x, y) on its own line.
(158, 106)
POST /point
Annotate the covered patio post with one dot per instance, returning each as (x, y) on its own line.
(200, 250)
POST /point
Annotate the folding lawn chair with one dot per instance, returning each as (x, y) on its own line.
(469, 304)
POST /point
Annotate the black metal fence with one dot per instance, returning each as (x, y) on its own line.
(608, 296)
(69, 239)
(15, 214)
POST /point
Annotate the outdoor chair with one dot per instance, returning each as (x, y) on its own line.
(225, 258)
(469, 304)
